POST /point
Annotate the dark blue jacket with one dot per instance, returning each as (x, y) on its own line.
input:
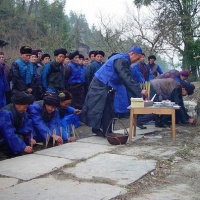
(22, 74)
(13, 124)
(53, 77)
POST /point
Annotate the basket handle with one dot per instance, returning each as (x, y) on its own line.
(112, 120)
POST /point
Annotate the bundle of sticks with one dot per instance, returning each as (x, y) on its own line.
(145, 86)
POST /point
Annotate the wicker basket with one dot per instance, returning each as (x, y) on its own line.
(117, 138)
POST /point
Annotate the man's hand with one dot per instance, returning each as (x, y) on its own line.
(29, 90)
(145, 93)
(77, 111)
(59, 140)
(28, 149)
(32, 142)
(192, 120)
(71, 139)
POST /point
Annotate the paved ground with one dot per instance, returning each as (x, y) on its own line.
(91, 168)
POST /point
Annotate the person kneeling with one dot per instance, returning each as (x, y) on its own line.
(69, 116)
(45, 119)
(15, 126)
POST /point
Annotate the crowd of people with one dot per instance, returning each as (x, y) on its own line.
(44, 99)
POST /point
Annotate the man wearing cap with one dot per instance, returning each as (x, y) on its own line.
(4, 85)
(15, 126)
(74, 80)
(155, 68)
(45, 118)
(98, 109)
(53, 73)
(94, 67)
(91, 56)
(169, 89)
(23, 71)
(176, 75)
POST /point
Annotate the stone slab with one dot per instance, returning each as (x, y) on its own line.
(116, 169)
(174, 192)
(7, 182)
(51, 188)
(144, 151)
(104, 141)
(76, 150)
(31, 166)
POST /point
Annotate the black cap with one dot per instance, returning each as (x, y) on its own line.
(189, 87)
(45, 55)
(52, 100)
(73, 54)
(99, 52)
(25, 50)
(152, 57)
(22, 98)
(60, 51)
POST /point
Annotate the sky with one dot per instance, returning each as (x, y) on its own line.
(92, 8)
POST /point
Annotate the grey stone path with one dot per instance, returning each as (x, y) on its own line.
(90, 168)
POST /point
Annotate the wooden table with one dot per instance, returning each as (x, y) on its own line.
(151, 110)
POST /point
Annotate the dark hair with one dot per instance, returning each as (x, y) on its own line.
(64, 95)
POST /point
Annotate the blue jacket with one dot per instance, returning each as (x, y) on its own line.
(22, 74)
(83, 70)
(13, 124)
(66, 119)
(3, 87)
(156, 69)
(53, 77)
(42, 128)
(73, 73)
(141, 72)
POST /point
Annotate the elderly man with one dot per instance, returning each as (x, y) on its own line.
(45, 118)
(98, 109)
(15, 126)
(94, 67)
(53, 73)
(23, 71)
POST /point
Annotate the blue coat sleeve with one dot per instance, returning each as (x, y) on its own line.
(39, 125)
(159, 69)
(45, 74)
(8, 131)
(70, 110)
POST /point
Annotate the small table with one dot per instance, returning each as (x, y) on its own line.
(151, 110)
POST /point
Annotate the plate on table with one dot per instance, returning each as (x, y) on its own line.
(158, 104)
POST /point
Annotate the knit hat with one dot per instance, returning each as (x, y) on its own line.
(45, 55)
(185, 73)
(60, 51)
(64, 96)
(25, 50)
(34, 52)
(136, 49)
(52, 100)
(73, 54)
(22, 98)
(152, 57)
(189, 87)
(99, 52)
(91, 52)
(81, 56)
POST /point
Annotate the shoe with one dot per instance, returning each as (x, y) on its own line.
(141, 127)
